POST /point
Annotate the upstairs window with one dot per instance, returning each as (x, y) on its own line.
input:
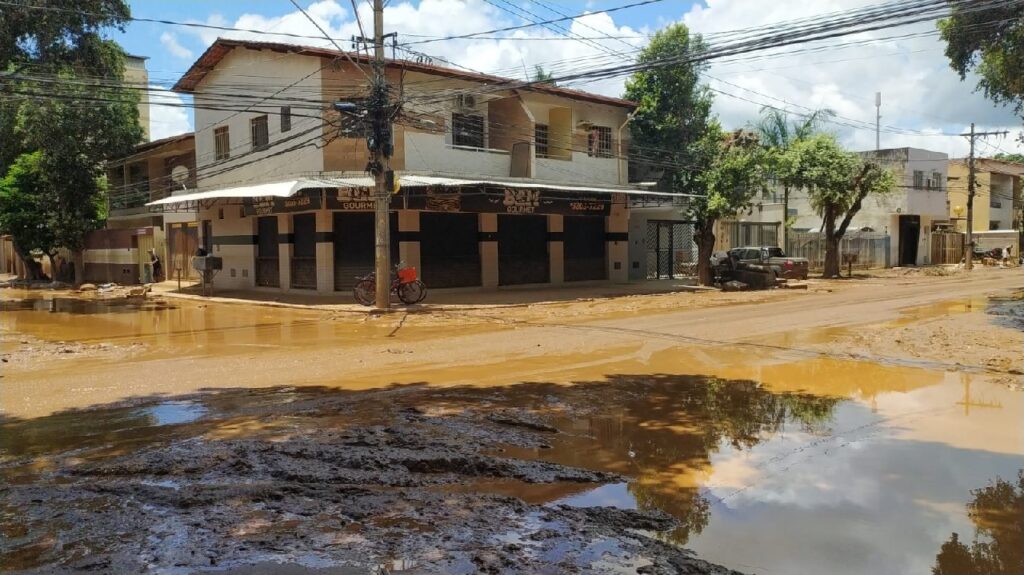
(540, 140)
(468, 130)
(221, 143)
(599, 144)
(286, 118)
(260, 133)
(937, 180)
(918, 179)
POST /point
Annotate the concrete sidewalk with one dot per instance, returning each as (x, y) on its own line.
(442, 299)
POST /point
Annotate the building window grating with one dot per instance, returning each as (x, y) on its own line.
(260, 134)
(221, 143)
(540, 138)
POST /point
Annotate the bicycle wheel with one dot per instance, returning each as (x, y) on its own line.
(412, 292)
(423, 291)
(365, 292)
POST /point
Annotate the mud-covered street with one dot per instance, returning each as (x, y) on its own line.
(861, 426)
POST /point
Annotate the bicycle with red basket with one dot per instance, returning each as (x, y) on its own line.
(405, 283)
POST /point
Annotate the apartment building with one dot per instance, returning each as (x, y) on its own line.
(497, 185)
(997, 203)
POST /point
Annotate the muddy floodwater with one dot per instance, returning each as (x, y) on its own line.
(759, 458)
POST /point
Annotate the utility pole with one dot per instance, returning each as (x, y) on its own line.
(878, 121)
(380, 149)
(971, 181)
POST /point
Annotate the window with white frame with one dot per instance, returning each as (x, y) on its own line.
(540, 140)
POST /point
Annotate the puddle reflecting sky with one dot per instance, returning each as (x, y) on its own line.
(807, 485)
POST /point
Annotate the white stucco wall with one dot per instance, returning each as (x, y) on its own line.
(260, 74)
(432, 153)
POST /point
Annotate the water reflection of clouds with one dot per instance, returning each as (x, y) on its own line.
(876, 505)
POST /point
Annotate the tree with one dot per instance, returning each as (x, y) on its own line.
(543, 76)
(733, 170)
(23, 211)
(673, 108)
(778, 132)
(990, 42)
(997, 512)
(836, 182)
(1016, 158)
(670, 127)
(62, 95)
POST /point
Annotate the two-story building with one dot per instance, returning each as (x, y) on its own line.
(120, 252)
(907, 215)
(498, 183)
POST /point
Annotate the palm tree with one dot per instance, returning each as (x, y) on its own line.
(543, 76)
(777, 132)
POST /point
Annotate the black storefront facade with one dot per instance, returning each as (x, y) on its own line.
(469, 236)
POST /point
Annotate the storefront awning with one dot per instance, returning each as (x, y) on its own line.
(289, 188)
(275, 189)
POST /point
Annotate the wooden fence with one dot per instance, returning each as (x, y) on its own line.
(947, 247)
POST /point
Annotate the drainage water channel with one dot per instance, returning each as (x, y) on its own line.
(791, 466)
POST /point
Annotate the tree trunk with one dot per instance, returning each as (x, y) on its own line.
(831, 246)
(705, 238)
(33, 269)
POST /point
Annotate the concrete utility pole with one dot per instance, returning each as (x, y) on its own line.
(380, 156)
(971, 181)
(878, 121)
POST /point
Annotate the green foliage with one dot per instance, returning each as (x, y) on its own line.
(542, 75)
(776, 130)
(734, 171)
(63, 104)
(836, 183)
(1016, 158)
(673, 108)
(23, 205)
(997, 512)
(989, 42)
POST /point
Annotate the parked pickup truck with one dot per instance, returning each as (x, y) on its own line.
(783, 265)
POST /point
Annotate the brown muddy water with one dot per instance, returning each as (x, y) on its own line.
(756, 460)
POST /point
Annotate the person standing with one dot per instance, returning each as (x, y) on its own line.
(158, 267)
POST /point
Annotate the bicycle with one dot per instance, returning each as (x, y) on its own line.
(405, 284)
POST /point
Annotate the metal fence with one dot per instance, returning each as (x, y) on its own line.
(871, 249)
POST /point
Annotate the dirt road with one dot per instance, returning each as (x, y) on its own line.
(488, 346)
(757, 429)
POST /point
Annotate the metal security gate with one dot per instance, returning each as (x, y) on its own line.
(303, 263)
(450, 249)
(354, 246)
(267, 253)
(585, 248)
(671, 251)
(522, 249)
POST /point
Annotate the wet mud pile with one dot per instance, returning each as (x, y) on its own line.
(392, 481)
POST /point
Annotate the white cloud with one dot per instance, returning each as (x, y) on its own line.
(922, 96)
(170, 41)
(167, 114)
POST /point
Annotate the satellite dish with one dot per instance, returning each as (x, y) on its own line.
(179, 174)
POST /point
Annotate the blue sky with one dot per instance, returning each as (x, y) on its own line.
(922, 97)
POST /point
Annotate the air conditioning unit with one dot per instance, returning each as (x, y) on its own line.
(465, 101)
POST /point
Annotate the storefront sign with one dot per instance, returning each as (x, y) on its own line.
(304, 201)
(509, 201)
(356, 200)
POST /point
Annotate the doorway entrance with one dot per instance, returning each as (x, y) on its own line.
(910, 234)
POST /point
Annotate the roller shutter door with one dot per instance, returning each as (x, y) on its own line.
(522, 249)
(585, 248)
(354, 246)
(450, 249)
